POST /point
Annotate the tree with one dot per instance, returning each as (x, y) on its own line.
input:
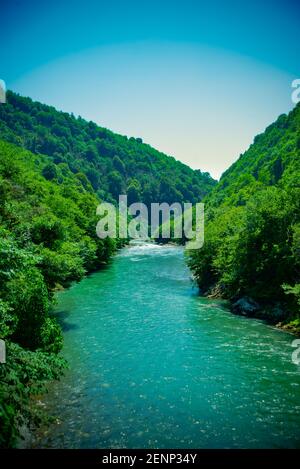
(115, 182)
(133, 191)
(50, 171)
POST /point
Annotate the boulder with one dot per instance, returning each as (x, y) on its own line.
(245, 306)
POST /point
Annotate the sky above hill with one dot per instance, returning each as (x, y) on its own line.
(195, 79)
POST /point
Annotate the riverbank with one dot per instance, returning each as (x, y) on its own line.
(250, 308)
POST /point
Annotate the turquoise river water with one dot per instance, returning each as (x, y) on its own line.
(152, 364)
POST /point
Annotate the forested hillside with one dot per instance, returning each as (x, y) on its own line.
(252, 232)
(111, 163)
(47, 239)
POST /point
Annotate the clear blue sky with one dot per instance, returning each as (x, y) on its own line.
(196, 79)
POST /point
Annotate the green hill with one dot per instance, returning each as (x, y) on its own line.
(113, 164)
(252, 232)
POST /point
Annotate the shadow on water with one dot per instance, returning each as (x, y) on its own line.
(62, 318)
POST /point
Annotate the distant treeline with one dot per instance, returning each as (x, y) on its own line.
(112, 164)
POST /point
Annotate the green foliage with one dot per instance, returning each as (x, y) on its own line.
(252, 230)
(49, 172)
(7, 320)
(295, 291)
(133, 191)
(47, 229)
(28, 296)
(24, 375)
(50, 337)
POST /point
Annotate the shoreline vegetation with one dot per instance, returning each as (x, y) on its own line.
(250, 309)
(54, 170)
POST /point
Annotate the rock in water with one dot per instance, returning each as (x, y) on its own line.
(245, 306)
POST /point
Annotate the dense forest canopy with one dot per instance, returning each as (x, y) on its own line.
(113, 164)
(252, 230)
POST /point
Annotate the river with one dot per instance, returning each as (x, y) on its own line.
(152, 364)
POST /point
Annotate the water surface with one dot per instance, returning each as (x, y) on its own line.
(154, 365)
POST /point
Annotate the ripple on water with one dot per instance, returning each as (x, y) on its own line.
(154, 365)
